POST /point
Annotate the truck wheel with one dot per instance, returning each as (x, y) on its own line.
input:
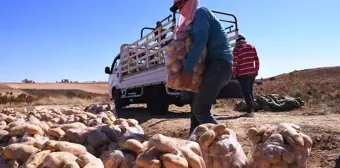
(157, 101)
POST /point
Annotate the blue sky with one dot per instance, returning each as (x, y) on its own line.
(49, 40)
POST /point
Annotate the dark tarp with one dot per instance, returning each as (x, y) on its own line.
(272, 102)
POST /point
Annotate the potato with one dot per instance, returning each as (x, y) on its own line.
(199, 69)
(171, 58)
(17, 130)
(293, 137)
(12, 164)
(97, 138)
(170, 160)
(85, 159)
(163, 143)
(71, 165)
(72, 148)
(33, 129)
(65, 127)
(50, 145)
(130, 144)
(112, 158)
(128, 161)
(253, 137)
(207, 138)
(181, 54)
(281, 164)
(19, 152)
(56, 132)
(201, 129)
(269, 132)
(113, 146)
(176, 66)
(287, 156)
(263, 129)
(196, 79)
(188, 42)
(132, 122)
(276, 138)
(308, 142)
(113, 132)
(4, 136)
(35, 160)
(57, 159)
(147, 161)
(220, 129)
(76, 135)
(217, 162)
(178, 82)
(96, 163)
(193, 159)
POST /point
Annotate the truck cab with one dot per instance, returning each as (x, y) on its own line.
(137, 74)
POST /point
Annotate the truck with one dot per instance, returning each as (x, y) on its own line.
(138, 76)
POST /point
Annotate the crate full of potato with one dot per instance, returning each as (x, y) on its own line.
(176, 54)
(279, 146)
(162, 151)
(219, 145)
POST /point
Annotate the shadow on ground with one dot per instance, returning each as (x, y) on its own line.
(142, 115)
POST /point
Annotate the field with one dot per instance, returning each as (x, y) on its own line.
(319, 118)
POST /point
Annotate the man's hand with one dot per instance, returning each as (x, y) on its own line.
(186, 79)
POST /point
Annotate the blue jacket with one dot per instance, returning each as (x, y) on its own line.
(207, 31)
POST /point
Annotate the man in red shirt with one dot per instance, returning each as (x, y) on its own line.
(245, 69)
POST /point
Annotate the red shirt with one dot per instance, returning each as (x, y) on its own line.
(246, 61)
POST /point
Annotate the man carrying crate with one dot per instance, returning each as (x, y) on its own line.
(206, 31)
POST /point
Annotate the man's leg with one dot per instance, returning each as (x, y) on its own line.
(216, 74)
(244, 82)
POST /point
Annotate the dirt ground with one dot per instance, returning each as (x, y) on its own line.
(100, 88)
(320, 123)
(319, 119)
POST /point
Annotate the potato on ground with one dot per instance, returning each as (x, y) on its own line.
(72, 148)
(96, 163)
(58, 159)
(71, 165)
(85, 159)
(12, 164)
(130, 144)
(97, 138)
(112, 159)
(170, 160)
(19, 152)
(35, 160)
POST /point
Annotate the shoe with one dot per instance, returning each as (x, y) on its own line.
(250, 115)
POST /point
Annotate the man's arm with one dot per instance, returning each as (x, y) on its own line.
(235, 61)
(201, 27)
(257, 61)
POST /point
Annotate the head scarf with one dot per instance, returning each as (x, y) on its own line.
(189, 9)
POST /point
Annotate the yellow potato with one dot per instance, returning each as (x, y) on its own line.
(170, 160)
(220, 129)
(36, 159)
(19, 152)
(163, 143)
(308, 142)
(207, 138)
(130, 144)
(147, 161)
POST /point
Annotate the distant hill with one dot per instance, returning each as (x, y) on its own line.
(319, 84)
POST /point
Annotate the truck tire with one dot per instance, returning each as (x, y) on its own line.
(156, 100)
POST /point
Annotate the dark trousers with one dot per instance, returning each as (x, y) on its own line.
(216, 75)
(247, 83)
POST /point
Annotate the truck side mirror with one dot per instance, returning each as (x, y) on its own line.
(107, 70)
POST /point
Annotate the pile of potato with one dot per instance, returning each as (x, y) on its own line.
(219, 146)
(162, 151)
(29, 141)
(176, 53)
(279, 146)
